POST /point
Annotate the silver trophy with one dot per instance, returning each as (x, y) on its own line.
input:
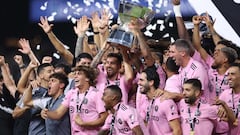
(126, 12)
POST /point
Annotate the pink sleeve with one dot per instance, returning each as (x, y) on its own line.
(107, 123)
(132, 118)
(67, 98)
(99, 103)
(171, 110)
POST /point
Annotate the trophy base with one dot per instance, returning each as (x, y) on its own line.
(121, 37)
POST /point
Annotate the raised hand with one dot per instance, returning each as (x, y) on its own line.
(176, 2)
(25, 46)
(2, 60)
(82, 26)
(208, 20)
(33, 64)
(95, 20)
(196, 20)
(105, 16)
(45, 25)
(19, 60)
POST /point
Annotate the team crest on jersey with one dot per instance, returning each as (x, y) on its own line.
(132, 118)
(156, 108)
(120, 121)
(172, 109)
(85, 101)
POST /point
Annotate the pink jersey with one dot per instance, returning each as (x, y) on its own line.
(196, 56)
(126, 118)
(217, 83)
(161, 113)
(103, 82)
(162, 76)
(233, 101)
(173, 84)
(194, 69)
(204, 123)
(92, 106)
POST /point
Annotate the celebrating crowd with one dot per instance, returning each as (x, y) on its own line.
(110, 89)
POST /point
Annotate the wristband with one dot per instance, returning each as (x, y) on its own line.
(177, 11)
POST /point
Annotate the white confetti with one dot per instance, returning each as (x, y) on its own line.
(79, 9)
(172, 39)
(38, 47)
(65, 10)
(56, 55)
(159, 5)
(98, 5)
(44, 6)
(162, 27)
(69, 3)
(74, 20)
(170, 24)
(160, 21)
(69, 17)
(166, 35)
(50, 18)
(148, 33)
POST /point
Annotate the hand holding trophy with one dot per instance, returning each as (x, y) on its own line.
(128, 12)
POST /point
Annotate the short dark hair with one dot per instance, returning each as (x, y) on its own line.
(230, 53)
(195, 83)
(152, 75)
(89, 72)
(230, 44)
(183, 45)
(42, 66)
(84, 55)
(61, 77)
(66, 68)
(116, 90)
(171, 65)
(116, 55)
(235, 65)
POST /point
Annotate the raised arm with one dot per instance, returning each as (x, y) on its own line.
(215, 36)
(182, 31)
(26, 49)
(9, 83)
(128, 71)
(95, 20)
(103, 28)
(66, 54)
(100, 54)
(23, 81)
(80, 29)
(196, 37)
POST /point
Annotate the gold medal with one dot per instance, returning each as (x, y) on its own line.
(191, 132)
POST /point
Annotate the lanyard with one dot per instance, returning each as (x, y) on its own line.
(235, 110)
(219, 89)
(117, 81)
(79, 107)
(149, 110)
(192, 121)
(113, 120)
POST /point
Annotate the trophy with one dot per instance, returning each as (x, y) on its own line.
(126, 12)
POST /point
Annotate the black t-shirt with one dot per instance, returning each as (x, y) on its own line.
(7, 104)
